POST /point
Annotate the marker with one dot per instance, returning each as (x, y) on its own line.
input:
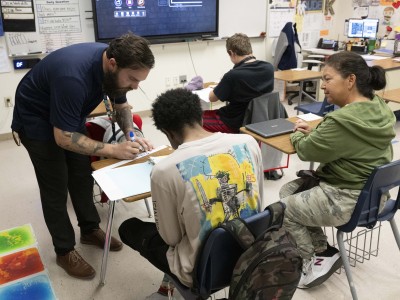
(132, 136)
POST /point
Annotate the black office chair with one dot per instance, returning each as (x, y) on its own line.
(217, 259)
(317, 108)
(366, 212)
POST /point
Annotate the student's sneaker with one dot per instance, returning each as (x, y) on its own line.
(319, 268)
(159, 296)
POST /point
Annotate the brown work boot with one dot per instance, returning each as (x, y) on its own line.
(98, 238)
(75, 265)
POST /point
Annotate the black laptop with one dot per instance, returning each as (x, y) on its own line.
(271, 128)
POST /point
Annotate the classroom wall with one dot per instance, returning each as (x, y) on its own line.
(209, 60)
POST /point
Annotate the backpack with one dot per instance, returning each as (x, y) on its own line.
(270, 267)
(108, 137)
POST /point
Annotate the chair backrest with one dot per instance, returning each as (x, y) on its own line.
(366, 212)
(263, 108)
(96, 131)
(286, 51)
(219, 255)
(318, 108)
(326, 107)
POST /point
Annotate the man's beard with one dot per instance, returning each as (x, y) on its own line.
(110, 85)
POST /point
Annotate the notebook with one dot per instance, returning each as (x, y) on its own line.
(271, 128)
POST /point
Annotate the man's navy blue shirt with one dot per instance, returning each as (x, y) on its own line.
(60, 91)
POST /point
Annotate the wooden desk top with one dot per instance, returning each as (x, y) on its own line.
(387, 63)
(280, 142)
(100, 110)
(109, 161)
(297, 75)
(390, 95)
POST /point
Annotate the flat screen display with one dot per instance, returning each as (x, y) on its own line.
(159, 21)
(363, 28)
(370, 28)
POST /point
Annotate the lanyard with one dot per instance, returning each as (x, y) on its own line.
(110, 115)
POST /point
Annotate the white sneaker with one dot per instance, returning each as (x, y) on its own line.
(318, 269)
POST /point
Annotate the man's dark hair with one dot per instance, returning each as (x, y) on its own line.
(131, 51)
(175, 109)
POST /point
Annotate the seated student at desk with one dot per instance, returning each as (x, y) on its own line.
(248, 79)
(198, 186)
(349, 143)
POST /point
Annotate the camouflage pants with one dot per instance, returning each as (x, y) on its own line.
(323, 205)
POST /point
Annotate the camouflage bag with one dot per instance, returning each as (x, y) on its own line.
(270, 267)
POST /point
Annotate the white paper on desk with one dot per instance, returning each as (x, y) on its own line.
(126, 181)
(309, 117)
(123, 162)
(203, 94)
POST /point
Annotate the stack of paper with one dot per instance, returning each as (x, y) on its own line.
(309, 117)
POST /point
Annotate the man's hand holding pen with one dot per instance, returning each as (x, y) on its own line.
(144, 145)
(302, 126)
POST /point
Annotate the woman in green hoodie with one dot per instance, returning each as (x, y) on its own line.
(349, 143)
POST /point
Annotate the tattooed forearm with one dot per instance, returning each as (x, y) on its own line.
(124, 118)
(81, 143)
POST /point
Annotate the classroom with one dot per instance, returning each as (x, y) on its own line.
(324, 27)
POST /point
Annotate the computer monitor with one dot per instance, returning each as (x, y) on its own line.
(370, 28)
(363, 28)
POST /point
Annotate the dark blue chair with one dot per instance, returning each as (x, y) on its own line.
(217, 259)
(317, 108)
(366, 212)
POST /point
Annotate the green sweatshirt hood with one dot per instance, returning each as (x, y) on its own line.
(374, 128)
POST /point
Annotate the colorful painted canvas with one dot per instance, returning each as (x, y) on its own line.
(16, 238)
(31, 288)
(20, 264)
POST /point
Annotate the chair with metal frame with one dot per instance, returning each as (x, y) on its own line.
(320, 108)
(366, 212)
(263, 108)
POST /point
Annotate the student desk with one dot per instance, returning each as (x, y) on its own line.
(100, 110)
(279, 142)
(300, 76)
(387, 64)
(97, 165)
(390, 95)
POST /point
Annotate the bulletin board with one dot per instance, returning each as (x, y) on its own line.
(57, 24)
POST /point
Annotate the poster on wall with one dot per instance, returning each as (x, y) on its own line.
(17, 16)
(311, 5)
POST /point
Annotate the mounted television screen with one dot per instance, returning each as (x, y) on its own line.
(370, 29)
(159, 21)
(355, 28)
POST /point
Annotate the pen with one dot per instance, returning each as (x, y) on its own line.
(132, 136)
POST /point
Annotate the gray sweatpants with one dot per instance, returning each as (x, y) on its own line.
(323, 205)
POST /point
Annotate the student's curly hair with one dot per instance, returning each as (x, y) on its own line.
(176, 108)
(131, 51)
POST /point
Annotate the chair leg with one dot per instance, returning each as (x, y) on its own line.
(395, 231)
(148, 207)
(346, 264)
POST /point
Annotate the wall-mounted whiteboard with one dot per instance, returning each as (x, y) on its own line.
(248, 17)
